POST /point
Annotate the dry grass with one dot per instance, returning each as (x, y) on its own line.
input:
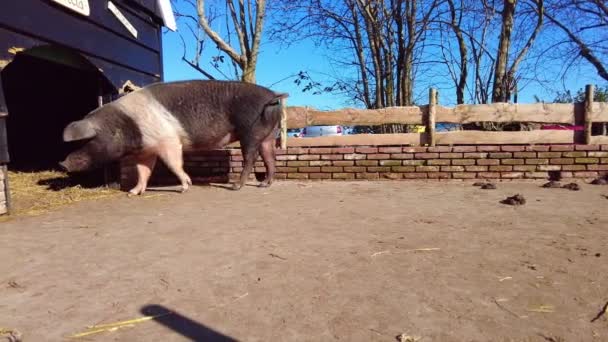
(34, 193)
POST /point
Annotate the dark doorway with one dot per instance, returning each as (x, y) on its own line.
(47, 88)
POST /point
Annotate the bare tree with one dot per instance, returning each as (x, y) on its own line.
(244, 23)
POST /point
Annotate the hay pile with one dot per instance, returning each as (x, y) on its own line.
(34, 193)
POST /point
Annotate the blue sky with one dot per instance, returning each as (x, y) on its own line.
(277, 63)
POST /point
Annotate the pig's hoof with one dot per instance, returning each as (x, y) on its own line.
(264, 185)
(185, 188)
(236, 187)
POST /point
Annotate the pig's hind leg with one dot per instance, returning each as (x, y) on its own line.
(145, 165)
(268, 155)
(172, 155)
(250, 154)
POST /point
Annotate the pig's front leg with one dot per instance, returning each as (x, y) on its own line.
(145, 165)
(170, 152)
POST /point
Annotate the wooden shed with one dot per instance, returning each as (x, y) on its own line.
(60, 59)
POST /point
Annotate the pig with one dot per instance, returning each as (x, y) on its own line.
(163, 120)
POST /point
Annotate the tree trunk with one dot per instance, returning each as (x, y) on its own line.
(499, 92)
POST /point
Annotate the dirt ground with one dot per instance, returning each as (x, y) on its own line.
(363, 261)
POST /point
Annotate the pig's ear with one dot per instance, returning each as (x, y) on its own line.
(279, 96)
(79, 130)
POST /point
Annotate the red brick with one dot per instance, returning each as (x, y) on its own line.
(488, 162)
(464, 161)
(427, 168)
(240, 158)
(513, 148)
(597, 154)
(438, 162)
(240, 169)
(549, 154)
(585, 174)
(440, 149)
(378, 156)
(297, 163)
(502, 155)
(536, 175)
(366, 150)
(524, 155)
(562, 148)
(286, 169)
(402, 156)
(476, 155)
(277, 151)
(297, 150)
(285, 157)
(332, 156)
(561, 161)
(280, 163)
(512, 161)
(538, 148)
(417, 149)
(320, 163)
(604, 160)
(414, 175)
(574, 167)
(342, 163)
(463, 175)
(605, 147)
(222, 170)
(309, 157)
(450, 155)
(438, 175)
(592, 167)
(320, 176)
(320, 150)
(501, 168)
(578, 154)
(309, 169)
(587, 147)
(413, 162)
(476, 168)
(488, 175)
(378, 169)
(366, 163)
(566, 174)
(332, 169)
(343, 150)
(390, 149)
(537, 161)
(368, 176)
(403, 168)
(587, 160)
(354, 156)
(490, 148)
(464, 149)
(343, 176)
(259, 163)
(392, 175)
(452, 168)
(390, 162)
(549, 167)
(297, 176)
(427, 155)
(355, 169)
(235, 164)
(512, 175)
(279, 176)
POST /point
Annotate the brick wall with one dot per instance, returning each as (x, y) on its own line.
(401, 162)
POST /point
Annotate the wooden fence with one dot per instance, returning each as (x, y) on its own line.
(585, 113)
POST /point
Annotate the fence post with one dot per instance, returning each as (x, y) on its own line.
(283, 124)
(589, 90)
(430, 120)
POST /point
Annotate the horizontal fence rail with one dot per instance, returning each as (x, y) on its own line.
(584, 113)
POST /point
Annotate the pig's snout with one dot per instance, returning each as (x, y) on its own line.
(63, 166)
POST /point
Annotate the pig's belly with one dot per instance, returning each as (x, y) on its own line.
(210, 143)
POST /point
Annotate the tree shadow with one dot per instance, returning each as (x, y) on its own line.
(183, 325)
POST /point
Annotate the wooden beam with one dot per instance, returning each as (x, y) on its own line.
(360, 140)
(508, 112)
(589, 90)
(299, 117)
(599, 140)
(505, 138)
(600, 112)
(430, 116)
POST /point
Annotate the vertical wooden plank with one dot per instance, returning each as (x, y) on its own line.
(430, 120)
(4, 156)
(589, 90)
(283, 124)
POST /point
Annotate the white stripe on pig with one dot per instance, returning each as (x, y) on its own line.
(155, 122)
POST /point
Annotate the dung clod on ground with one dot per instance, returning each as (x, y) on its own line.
(514, 200)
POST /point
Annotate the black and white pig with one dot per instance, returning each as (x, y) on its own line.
(163, 120)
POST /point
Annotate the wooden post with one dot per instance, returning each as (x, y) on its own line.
(589, 90)
(430, 120)
(4, 156)
(283, 124)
